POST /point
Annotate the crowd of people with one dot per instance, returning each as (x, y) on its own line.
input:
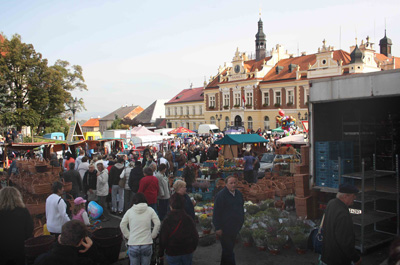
(139, 190)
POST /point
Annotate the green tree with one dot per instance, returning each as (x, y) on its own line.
(34, 93)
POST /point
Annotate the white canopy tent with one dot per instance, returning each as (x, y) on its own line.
(292, 139)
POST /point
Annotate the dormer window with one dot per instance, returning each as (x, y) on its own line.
(292, 67)
(278, 69)
(324, 61)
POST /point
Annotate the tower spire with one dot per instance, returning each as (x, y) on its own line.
(261, 42)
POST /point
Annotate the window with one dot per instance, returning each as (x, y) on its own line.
(181, 111)
(278, 97)
(306, 94)
(194, 110)
(226, 122)
(187, 110)
(176, 111)
(176, 125)
(237, 99)
(212, 120)
(249, 98)
(277, 125)
(290, 96)
(266, 98)
(168, 112)
(266, 123)
(226, 100)
(212, 101)
(194, 126)
(200, 110)
(250, 123)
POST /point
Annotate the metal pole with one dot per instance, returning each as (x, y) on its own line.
(362, 204)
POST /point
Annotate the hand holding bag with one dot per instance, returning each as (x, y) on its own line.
(317, 238)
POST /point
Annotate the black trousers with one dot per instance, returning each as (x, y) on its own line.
(248, 176)
(227, 244)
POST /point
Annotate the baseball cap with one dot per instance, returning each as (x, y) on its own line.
(79, 200)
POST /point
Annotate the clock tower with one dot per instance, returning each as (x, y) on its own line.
(261, 42)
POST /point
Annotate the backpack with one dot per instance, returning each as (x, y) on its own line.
(68, 210)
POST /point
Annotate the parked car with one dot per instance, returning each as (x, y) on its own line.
(266, 163)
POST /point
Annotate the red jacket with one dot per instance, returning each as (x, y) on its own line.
(149, 186)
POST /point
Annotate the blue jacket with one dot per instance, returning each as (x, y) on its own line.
(228, 211)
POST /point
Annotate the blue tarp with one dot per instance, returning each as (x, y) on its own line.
(234, 139)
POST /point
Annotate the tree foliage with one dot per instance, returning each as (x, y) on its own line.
(31, 92)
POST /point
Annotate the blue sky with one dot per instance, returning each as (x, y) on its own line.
(134, 52)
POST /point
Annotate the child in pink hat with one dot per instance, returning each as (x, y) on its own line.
(79, 212)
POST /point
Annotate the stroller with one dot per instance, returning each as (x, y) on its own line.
(155, 259)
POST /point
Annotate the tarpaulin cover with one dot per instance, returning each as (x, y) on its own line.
(234, 139)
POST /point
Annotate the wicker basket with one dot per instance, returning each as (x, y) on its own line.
(281, 190)
(40, 188)
(35, 207)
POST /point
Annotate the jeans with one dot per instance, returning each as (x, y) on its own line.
(140, 255)
(101, 200)
(116, 189)
(128, 196)
(180, 260)
(154, 206)
(228, 243)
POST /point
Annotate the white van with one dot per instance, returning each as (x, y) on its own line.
(208, 129)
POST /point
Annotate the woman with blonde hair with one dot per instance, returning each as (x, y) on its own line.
(16, 226)
(180, 188)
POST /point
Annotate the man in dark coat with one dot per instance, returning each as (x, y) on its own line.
(73, 176)
(90, 183)
(228, 218)
(135, 176)
(338, 245)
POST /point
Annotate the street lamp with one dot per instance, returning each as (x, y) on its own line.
(73, 106)
(218, 118)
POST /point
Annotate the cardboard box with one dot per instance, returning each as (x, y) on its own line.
(304, 207)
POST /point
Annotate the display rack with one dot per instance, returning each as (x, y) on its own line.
(373, 215)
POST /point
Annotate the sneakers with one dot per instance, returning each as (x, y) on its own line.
(120, 213)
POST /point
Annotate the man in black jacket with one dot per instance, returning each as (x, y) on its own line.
(338, 245)
(228, 218)
(73, 176)
(135, 176)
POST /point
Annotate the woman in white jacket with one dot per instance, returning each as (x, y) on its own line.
(102, 189)
(139, 234)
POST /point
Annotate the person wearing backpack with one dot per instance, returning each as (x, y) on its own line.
(56, 210)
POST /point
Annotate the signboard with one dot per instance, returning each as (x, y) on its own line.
(75, 130)
(305, 126)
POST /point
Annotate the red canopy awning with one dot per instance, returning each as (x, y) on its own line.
(180, 130)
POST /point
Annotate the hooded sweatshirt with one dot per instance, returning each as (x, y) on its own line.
(115, 173)
(139, 217)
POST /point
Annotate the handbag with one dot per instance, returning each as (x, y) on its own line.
(317, 238)
(122, 182)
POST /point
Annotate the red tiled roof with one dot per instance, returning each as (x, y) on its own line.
(92, 123)
(381, 57)
(303, 62)
(252, 65)
(190, 94)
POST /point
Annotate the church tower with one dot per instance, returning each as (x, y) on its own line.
(261, 42)
(386, 46)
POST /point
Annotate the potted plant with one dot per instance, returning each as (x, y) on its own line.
(246, 236)
(277, 105)
(249, 106)
(265, 105)
(275, 243)
(236, 106)
(289, 103)
(211, 107)
(205, 224)
(260, 238)
(226, 107)
(268, 203)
